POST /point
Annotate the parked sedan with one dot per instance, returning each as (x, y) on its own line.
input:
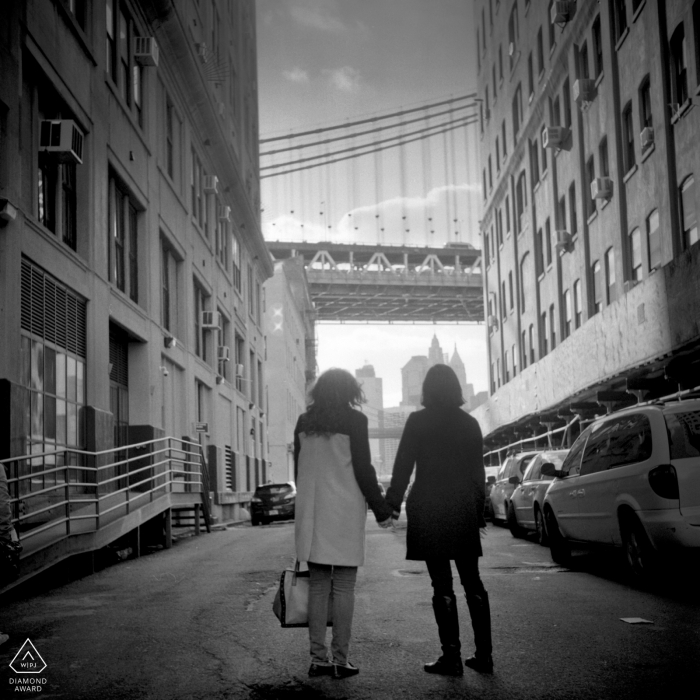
(525, 509)
(272, 502)
(502, 490)
(631, 479)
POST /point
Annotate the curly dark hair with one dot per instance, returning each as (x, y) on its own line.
(335, 392)
(441, 388)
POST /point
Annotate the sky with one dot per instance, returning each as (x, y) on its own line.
(324, 62)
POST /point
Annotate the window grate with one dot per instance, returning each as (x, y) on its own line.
(52, 312)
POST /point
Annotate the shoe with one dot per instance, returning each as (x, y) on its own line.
(482, 665)
(346, 671)
(446, 666)
(316, 670)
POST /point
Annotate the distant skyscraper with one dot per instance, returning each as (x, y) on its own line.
(412, 376)
(372, 387)
(461, 372)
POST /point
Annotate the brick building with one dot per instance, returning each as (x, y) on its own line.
(589, 151)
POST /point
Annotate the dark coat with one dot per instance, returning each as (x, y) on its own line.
(445, 507)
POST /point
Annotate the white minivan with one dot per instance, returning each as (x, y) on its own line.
(631, 479)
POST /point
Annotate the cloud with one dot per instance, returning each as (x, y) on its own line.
(345, 79)
(316, 16)
(296, 75)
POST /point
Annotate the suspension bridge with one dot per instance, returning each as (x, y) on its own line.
(384, 212)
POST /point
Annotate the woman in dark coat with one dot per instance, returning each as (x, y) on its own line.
(445, 511)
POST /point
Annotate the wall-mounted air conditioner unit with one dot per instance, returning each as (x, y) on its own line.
(62, 137)
(146, 51)
(602, 188)
(564, 241)
(554, 136)
(584, 90)
(202, 52)
(240, 369)
(492, 321)
(225, 213)
(647, 137)
(211, 320)
(562, 12)
(211, 184)
(169, 341)
(224, 354)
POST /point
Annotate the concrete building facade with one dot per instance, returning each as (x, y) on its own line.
(291, 360)
(589, 228)
(131, 256)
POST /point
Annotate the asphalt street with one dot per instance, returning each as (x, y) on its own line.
(196, 622)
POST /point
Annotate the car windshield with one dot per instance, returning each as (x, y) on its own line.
(274, 489)
(683, 434)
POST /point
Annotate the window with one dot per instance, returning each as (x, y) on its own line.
(678, 66)
(552, 327)
(490, 168)
(513, 34)
(603, 155)
(573, 218)
(645, 117)
(511, 300)
(524, 348)
(196, 186)
(548, 242)
(123, 240)
(493, 78)
(483, 28)
(523, 275)
(567, 103)
(562, 213)
(597, 286)
(610, 287)
(531, 342)
(239, 354)
(504, 310)
(498, 156)
(597, 48)
(514, 359)
(539, 244)
(556, 112)
(619, 18)
(635, 243)
(543, 151)
(499, 225)
(169, 287)
(222, 237)
(251, 292)
(169, 138)
(500, 62)
(200, 334)
(125, 73)
(517, 114)
(543, 330)
(223, 366)
(568, 315)
(534, 161)
(578, 304)
(111, 39)
(628, 138)
(503, 138)
(653, 240)
(478, 48)
(590, 171)
(521, 203)
(530, 76)
(551, 27)
(486, 103)
(483, 183)
(540, 53)
(615, 442)
(583, 61)
(689, 222)
(507, 210)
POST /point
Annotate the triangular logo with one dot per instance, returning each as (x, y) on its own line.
(28, 660)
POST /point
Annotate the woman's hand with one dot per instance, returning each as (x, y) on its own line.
(389, 522)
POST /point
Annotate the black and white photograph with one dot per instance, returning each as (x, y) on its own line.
(349, 349)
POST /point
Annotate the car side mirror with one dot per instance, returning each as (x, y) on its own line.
(514, 480)
(548, 469)
(491, 480)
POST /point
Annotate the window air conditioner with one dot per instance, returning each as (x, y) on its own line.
(564, 241)
(62, 137)
(602, 188)
(647, 137)
(554, 136)
(584, 90)
(562, 11)
(202, 52)
(225, 213)
(146, 51)
(239, 370)
(211, 184)
(224, 353)
(211, 320)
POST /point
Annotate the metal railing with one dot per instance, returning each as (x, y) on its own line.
(66, 492)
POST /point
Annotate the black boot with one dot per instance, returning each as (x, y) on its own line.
(450, 663)
(480, 612)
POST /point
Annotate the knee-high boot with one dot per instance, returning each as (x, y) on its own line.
(450, 663)
(480, 612)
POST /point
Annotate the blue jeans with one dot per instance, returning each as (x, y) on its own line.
(337, 585)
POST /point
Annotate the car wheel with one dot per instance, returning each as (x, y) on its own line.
(640, 556)
(540, 528)
(559, 548)
(512, 521)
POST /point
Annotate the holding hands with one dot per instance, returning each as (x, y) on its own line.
(389, 522)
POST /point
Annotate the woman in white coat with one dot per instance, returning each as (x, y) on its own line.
(335, 482)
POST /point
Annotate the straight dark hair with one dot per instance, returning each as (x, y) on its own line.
(335, 392)
(441, 388)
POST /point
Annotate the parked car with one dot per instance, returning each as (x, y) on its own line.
(525, 508)
(502, 490)
(491, 474)
(631, 479)
(273, 502)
